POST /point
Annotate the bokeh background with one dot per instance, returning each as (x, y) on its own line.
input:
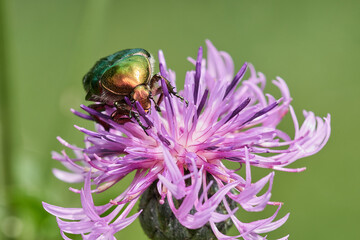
(47, 46)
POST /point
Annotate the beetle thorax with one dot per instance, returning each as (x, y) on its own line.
(141, 94)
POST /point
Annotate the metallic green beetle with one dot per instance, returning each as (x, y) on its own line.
(127, 73)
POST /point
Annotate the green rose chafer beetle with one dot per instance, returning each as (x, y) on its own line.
(124, 74)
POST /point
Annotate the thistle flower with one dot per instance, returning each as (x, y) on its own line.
(183, 153)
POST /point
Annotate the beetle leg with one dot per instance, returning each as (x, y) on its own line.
(119, 115)
(158, 77)
(123, 109)
(156, 90)
(156, 104)
(160, 99)
(100, 107)
(137, 117)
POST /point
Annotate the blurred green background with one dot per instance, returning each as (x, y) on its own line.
(47, 46)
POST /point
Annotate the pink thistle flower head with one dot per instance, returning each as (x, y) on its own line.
(181, 157)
